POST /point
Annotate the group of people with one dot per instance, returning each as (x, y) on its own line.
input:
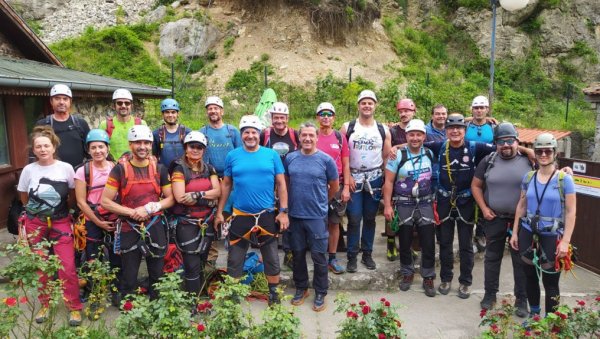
(139, 189)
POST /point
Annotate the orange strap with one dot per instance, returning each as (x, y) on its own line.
(79, 233)
(247, 235)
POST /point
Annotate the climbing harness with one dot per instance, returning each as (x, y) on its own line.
(363, 179)
(143, 230)
(256, 231)
(205, 233)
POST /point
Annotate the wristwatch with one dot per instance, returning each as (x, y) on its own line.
(283, 210)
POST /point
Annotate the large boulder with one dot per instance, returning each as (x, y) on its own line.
(37, 10)
(187, 37)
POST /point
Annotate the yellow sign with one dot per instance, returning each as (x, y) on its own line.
(586, 181)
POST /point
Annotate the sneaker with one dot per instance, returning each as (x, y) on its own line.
(480, 242)
(75, 318)
(367, 260)
(429, 287)
(463, 291)
(392, 254)
(521, 309)
(406, 282)
(335, 267)
(488, 301)
(42, 315)
(288, 260)
(319, 303)
(299, 297)
(444, 287)
(351, 267)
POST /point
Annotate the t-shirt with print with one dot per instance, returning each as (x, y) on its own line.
(416, 169)
(502, 187)
(118, 140)
(550, 205)
(366, 147)
(72, 148)
(99, 177)
(309, 177)
(282, 144)
(220, 142)
(47, 188)
(462, 165)
(171, 148)
(253, 175)
(330, 145)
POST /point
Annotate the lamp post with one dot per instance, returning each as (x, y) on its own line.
(509, 5)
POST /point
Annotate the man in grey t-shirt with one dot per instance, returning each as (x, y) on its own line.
(496, 188)
(313, 181)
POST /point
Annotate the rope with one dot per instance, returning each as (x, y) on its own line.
(79, 233)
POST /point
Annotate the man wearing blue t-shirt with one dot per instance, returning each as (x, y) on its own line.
(313, 181)
(168, 138)
(252, 171)
(222, 137)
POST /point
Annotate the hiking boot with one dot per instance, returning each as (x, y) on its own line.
(288, 260)
(392, 254)
(480, 243)
(367, 260)
(429, 287)
(488, 301)
(407, 280)
(319, 303)
(444, 287)
(463, 291)
(75, 318)
(274, 298)
(521, 309)
(299, 297)
(335, 267)
(42, 315)
(351, 267)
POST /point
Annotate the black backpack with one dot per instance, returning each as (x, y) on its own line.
(14, 212)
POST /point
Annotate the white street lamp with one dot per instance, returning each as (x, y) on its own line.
(509, 5)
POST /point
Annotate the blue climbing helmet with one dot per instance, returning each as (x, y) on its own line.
(169, 104)
(97, 135)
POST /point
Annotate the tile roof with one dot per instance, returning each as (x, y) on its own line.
(593, 89)
(22, 73)
(528, 135)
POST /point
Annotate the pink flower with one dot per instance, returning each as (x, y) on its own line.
(381, 336)
(128, 305)
(362, 303)
(10, 301)
(366, 309)
(482, 313)
(580, 302)
(201, 327)
(23, 300)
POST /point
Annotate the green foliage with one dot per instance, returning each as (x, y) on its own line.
(551, 3)
(228, 44)
(35, 25)
(228, 319)
(364, 320)
(120, 15)
(100, 276)
(532, 24)
(582, 49)
(278, 322)
(166, 317)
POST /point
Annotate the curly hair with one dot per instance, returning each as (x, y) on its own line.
(45, 131)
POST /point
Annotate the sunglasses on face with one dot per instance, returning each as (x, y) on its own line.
(196, 146)
(123, 103)
(326, 114)
(478, 107)
(503, 142)
(543, 151)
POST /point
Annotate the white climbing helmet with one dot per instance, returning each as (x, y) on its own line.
(415, 125)
(250, 121)
(195, 136)
(213, 100)
(60, 89)
(367, 93)
(480, 101)
(122, 93)
(140, 132)
(325, 106)
(279, 108)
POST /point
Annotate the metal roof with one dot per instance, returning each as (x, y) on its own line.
(22, 73)
(528, 135)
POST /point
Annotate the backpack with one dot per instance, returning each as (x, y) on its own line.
(490, 164)
(162, 133)
(187, 173)
(110, 124)
(88, 174)
(404, 159)
(561, 191)
(267, 137)
(204, 130)
(128, 180)
(75, 119)
(14, 212)
(352, 124)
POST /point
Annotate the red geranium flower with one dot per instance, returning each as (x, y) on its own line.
(555, 329)
(362, 303)
(366, 309)
(536, 317)
(580, 302)
(23, 300)
(387, 303)
(561, 315)
(482, 313)
(10, 301)
(495, 328)
(201, 327)
(381, 336)
(382, 300)
(527, 334)
(598, 298)
(128, 305)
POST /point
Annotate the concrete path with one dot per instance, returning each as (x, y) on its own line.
(422, 317)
